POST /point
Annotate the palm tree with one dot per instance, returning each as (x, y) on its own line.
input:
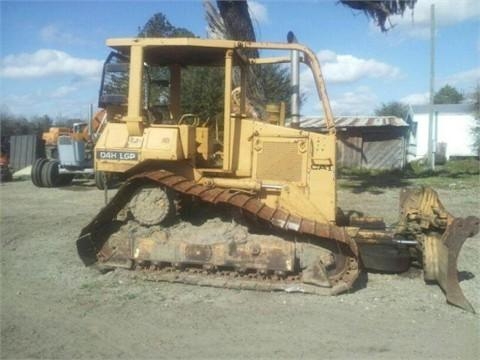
(230, 19)
(238, 24)
(380, 10)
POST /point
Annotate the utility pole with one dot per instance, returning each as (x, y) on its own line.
(431, 144)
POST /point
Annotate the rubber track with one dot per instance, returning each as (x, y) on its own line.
(88, 244)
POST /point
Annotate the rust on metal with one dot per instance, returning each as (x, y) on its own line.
(96, 243)
(440, 237)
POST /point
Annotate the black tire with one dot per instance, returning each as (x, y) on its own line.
(50, 175)
(100, 180)
(36, 173)
(385, 258)
(44, 174)
(54, 174)
(65, 179)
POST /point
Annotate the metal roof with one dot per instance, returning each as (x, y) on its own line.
(445, 108)
(354, 121)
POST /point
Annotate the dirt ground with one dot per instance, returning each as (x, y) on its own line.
(54, 307)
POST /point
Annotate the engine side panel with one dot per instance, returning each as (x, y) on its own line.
(116, 151)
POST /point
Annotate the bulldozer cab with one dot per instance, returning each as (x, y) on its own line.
(232, 138)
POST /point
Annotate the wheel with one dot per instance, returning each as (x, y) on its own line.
(50, 176)
(103, 179)
(44, 174)
(152, 206)
(36, 173)
(54, 174)
(99, 181)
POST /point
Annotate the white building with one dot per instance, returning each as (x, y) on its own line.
(452, 131)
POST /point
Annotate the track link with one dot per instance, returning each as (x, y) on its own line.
(90, 242)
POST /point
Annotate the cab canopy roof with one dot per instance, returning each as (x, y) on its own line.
(192, 51)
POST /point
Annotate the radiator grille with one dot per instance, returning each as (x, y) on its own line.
(279, 161)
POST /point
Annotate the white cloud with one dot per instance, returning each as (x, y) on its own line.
(258, 12)
(345, 68)
(469, 77)
(360, 101)
(417, 24)
(416, 99)
(48, 62)
(53, 34)
(40, 102)
(348, 68)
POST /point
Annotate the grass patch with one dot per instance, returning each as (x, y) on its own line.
(458, 174)
(89, 286)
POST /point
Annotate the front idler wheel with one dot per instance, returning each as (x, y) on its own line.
(152, 206)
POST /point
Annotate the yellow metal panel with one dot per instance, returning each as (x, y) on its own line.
(243, 154)
(162, 143)
(187, 140)
(115, 135)
(135, 142)
(227, 119)
(204, 141)
(321, 174)
(113, 166)
(278, 160)
(134, 119)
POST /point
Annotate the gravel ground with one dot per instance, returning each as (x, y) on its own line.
(53, 307)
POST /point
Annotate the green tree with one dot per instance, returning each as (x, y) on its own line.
(159, 26)
(11, 124)
(448, 95)
(202, 91)
(393, 108)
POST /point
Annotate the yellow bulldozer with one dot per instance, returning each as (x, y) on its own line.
(260, 167)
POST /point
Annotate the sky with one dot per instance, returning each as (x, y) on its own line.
(52, 52)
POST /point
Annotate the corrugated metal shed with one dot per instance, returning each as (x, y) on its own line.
(354, 121)
(371, 142)
(24, 149)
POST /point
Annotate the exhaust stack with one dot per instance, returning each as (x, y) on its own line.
(295, 82)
